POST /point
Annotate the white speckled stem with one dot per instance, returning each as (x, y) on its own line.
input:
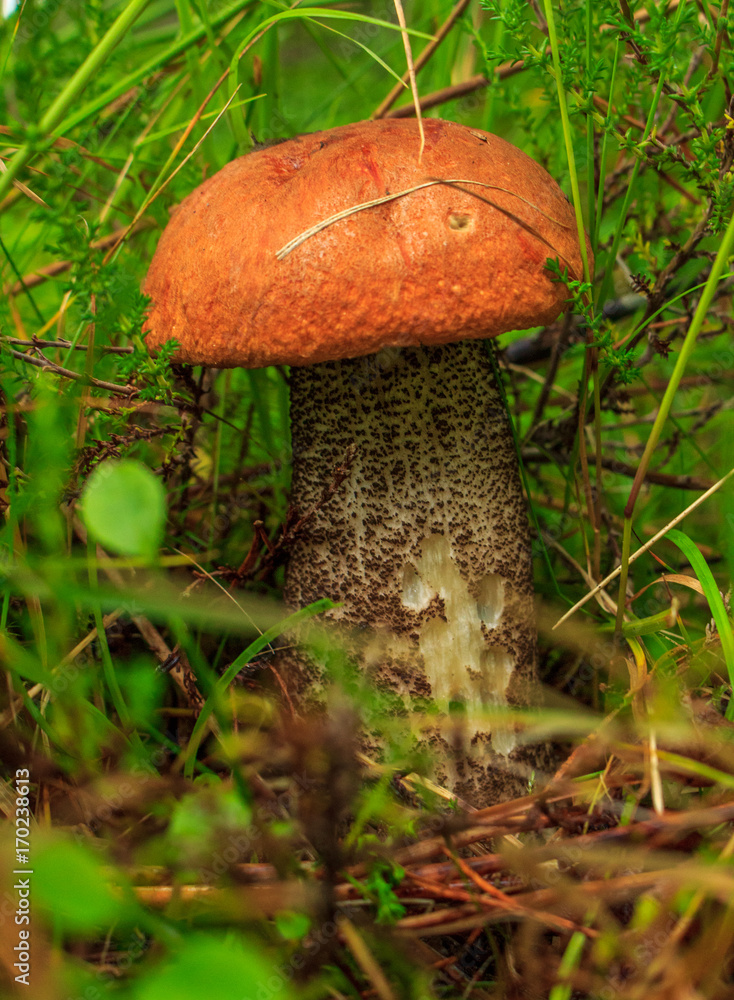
(426, 542)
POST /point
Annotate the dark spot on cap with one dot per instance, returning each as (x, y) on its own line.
(459, 220)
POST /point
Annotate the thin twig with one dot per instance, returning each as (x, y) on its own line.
(454, 182)
(531, 455)
(720, 32)
(365, 959)
(41, 362)
(502, 72)
(153, 195)
(64, 345)
(641, 551)
(60, 266)
(502, 900)
(456, 91)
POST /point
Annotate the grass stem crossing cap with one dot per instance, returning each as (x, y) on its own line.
(437, 262)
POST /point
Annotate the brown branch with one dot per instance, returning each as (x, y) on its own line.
(128, 391)
(502, 72)
(559, 346)
(478, 82)
(60, 266)
(63, 143)
(492, 896)
(63, 345)
(658, 478)
(44, 363)
(422, 59)
(679, 259)
(623, 469)
(720, 34)
(463, 919)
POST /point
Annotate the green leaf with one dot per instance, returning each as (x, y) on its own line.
(208, 815)
(291, 925)
(72, 886)
(18, 659)
(124, 507)
(218, 969)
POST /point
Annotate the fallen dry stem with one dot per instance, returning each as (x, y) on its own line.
(411, 74)
(491, 895)
(365, 959)
(422, 59)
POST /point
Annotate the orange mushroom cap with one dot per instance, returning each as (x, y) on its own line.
(443, 263)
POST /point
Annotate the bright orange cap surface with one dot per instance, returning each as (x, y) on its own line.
(445, 263)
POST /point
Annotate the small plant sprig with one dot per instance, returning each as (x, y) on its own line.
(620, 362)
(379, 887)
(154, 373)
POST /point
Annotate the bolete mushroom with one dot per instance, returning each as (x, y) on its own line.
(383, 315)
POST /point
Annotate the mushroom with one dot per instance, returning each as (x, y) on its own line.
(383, 315)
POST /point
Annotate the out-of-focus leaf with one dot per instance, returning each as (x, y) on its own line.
(124, 507)
(70, 884)
(218, 969)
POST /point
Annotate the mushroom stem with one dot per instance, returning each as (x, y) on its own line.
(425, 544)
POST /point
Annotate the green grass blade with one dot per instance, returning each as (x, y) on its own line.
(73, 89)
(705, 577)
(612, 255)
(704, 303)
(569, 964)
(164, 58)
(255, 647)
(311, 14)
(567, 137)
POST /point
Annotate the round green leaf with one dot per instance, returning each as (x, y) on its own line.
(124, 507)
